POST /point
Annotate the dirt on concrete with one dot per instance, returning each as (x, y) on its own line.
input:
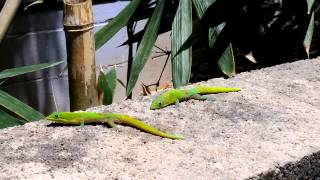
(268, 130)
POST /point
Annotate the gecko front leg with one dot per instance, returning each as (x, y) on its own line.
(202, 97)
(111, 123)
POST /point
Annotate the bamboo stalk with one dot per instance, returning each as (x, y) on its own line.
(78, 25)
(6, 15)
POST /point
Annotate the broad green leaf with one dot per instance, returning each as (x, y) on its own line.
(181, 32)
(144, 11)
(226, 62)
(7, 120)
(201, 6)
(214, 33)
(310, 4)
(107, 84)
(308, 37)
(26, 69)
(109, 30)
(166, 21)
(16, 106)
(145, 47)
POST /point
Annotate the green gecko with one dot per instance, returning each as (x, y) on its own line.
(174, 96)
(80, 118)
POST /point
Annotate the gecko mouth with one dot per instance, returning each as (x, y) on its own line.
(58, 120)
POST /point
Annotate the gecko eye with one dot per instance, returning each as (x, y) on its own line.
(56, 115)
(159, 103)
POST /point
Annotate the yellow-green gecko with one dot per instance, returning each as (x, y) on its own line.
(174, 96)
(81, 118)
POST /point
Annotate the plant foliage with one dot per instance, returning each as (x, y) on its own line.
(181, 32)
(12, 107)
(265, 30)
(145, 47)
(107, 84)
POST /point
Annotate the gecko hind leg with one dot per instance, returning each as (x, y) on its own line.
(111, 124)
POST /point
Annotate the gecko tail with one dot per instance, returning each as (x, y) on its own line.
(215, 89)
(130, 121)
(178, 137)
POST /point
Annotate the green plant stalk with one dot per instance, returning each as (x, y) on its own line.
(145, 47)
(130, 31)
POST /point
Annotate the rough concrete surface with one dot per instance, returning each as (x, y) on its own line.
(268, 130)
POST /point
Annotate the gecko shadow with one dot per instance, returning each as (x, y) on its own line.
(306, 168)
(75, 125)
(91, 124)
(107, 126)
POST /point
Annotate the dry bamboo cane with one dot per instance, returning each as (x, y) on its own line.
(78, 25)
(6, 15)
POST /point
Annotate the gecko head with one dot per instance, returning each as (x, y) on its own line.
(56, 117)
(164, 99)
(156, 104)
(160, 102)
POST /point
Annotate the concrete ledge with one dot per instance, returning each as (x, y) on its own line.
(269, 130)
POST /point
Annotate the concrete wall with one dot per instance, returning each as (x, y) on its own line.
(38, 37)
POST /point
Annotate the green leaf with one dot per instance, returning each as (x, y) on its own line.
(145, 47)
(169, 11)
(226, 62)
(16, 106)
(26, 69)
(107, 84)
(7, 120)
(144, 13)
(201, 6)
(181, 31)
(109, 30)
(308, 37)
(310, 4)
(214, 33)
